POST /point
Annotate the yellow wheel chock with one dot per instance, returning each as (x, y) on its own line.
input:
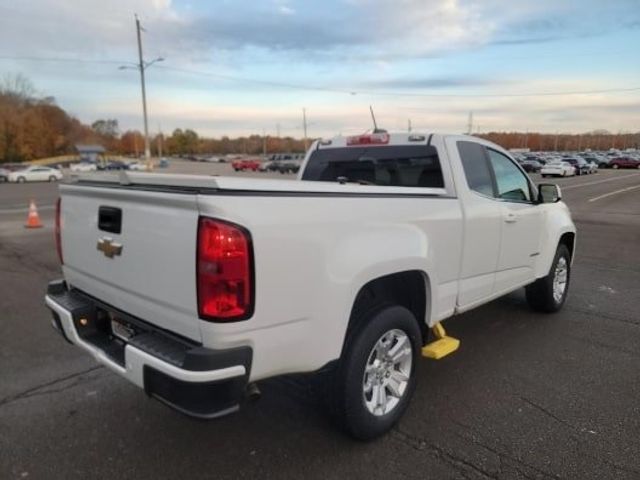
(442, 346)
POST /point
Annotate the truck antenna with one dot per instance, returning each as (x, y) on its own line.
(375, 125)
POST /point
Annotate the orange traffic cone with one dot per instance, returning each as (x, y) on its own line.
(33, 220)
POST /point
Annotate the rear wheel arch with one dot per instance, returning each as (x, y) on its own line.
(410, 289)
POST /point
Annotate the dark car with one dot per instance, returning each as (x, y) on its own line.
(531, 166)
(581, 166)
(600, 161)
(624, 162)
(113, 165)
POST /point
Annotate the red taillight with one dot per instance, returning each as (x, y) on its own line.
(368, 139)
(224, 271)
(58, 231)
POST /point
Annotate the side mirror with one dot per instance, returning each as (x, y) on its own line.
(549, 193)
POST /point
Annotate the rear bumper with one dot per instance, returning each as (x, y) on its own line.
(192, 379)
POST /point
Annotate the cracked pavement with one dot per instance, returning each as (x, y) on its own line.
(527, 396)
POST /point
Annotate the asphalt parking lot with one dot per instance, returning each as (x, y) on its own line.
(527, 395)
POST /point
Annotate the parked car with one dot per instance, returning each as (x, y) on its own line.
(349, 238)
(137, 166)
(581, 166)
(4, 175)
(113, 165)
(560, 169)
(241, 165)
(531, 166)
(163, 163)
(267, 166)
(601, 162)
(593, 167)
(83, 167)
(624, 162)
(35, 173)
(289, 166)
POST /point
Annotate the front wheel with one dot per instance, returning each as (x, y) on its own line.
(21, 180)
(53, 179)
(615, 167)
(549, 293)
(375, 379)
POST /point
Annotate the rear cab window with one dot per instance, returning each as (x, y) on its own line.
(393, 166)
(476, 168)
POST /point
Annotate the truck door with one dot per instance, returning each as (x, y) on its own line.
(521, 223)
(482, 223)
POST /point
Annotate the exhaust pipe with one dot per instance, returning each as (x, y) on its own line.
(253, 392)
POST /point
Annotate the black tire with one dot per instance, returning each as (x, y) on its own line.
(21, 180)
(544, 175)
(347, 396)
(540, 293)
(53, 179)
(615, 166)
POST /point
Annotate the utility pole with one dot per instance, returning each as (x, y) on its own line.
(304, 126)
(160, 140)
(147, 150)
(264, 144)
(470, 124)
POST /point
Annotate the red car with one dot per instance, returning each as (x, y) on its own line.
(624, 162)
(246, 164)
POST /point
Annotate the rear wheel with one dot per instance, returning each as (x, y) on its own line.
(53, 178)
(549, 293)
(375, 379)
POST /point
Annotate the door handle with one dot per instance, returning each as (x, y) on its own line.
(510, 218)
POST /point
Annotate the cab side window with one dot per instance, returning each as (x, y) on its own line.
(476, 168)
(511, 183)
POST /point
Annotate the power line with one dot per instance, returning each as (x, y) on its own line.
(306, 87)
(393, 94)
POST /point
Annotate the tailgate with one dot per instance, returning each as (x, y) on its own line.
(153, 276)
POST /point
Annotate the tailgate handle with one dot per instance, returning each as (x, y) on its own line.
(110, 219)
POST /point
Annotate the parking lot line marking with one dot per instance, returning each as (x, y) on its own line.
(599, 181)
(622, 190)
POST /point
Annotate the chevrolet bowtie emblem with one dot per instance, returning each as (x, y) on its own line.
(109, 247)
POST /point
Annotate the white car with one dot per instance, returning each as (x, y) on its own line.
(558, 169)
(184, 286)
(138, 166)
(83, 167)
(35, 174)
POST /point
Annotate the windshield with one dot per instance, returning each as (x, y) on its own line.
(400, 166)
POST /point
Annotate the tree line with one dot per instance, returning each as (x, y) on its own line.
(595, 140)
(34, 126)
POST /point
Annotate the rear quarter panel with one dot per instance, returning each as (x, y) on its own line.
(312, 256)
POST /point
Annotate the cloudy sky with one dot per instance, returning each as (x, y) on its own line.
(243, 67)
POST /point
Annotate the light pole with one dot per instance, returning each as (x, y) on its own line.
(142, 66)
(304, 126)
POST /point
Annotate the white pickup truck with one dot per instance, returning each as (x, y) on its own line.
(196, 287)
